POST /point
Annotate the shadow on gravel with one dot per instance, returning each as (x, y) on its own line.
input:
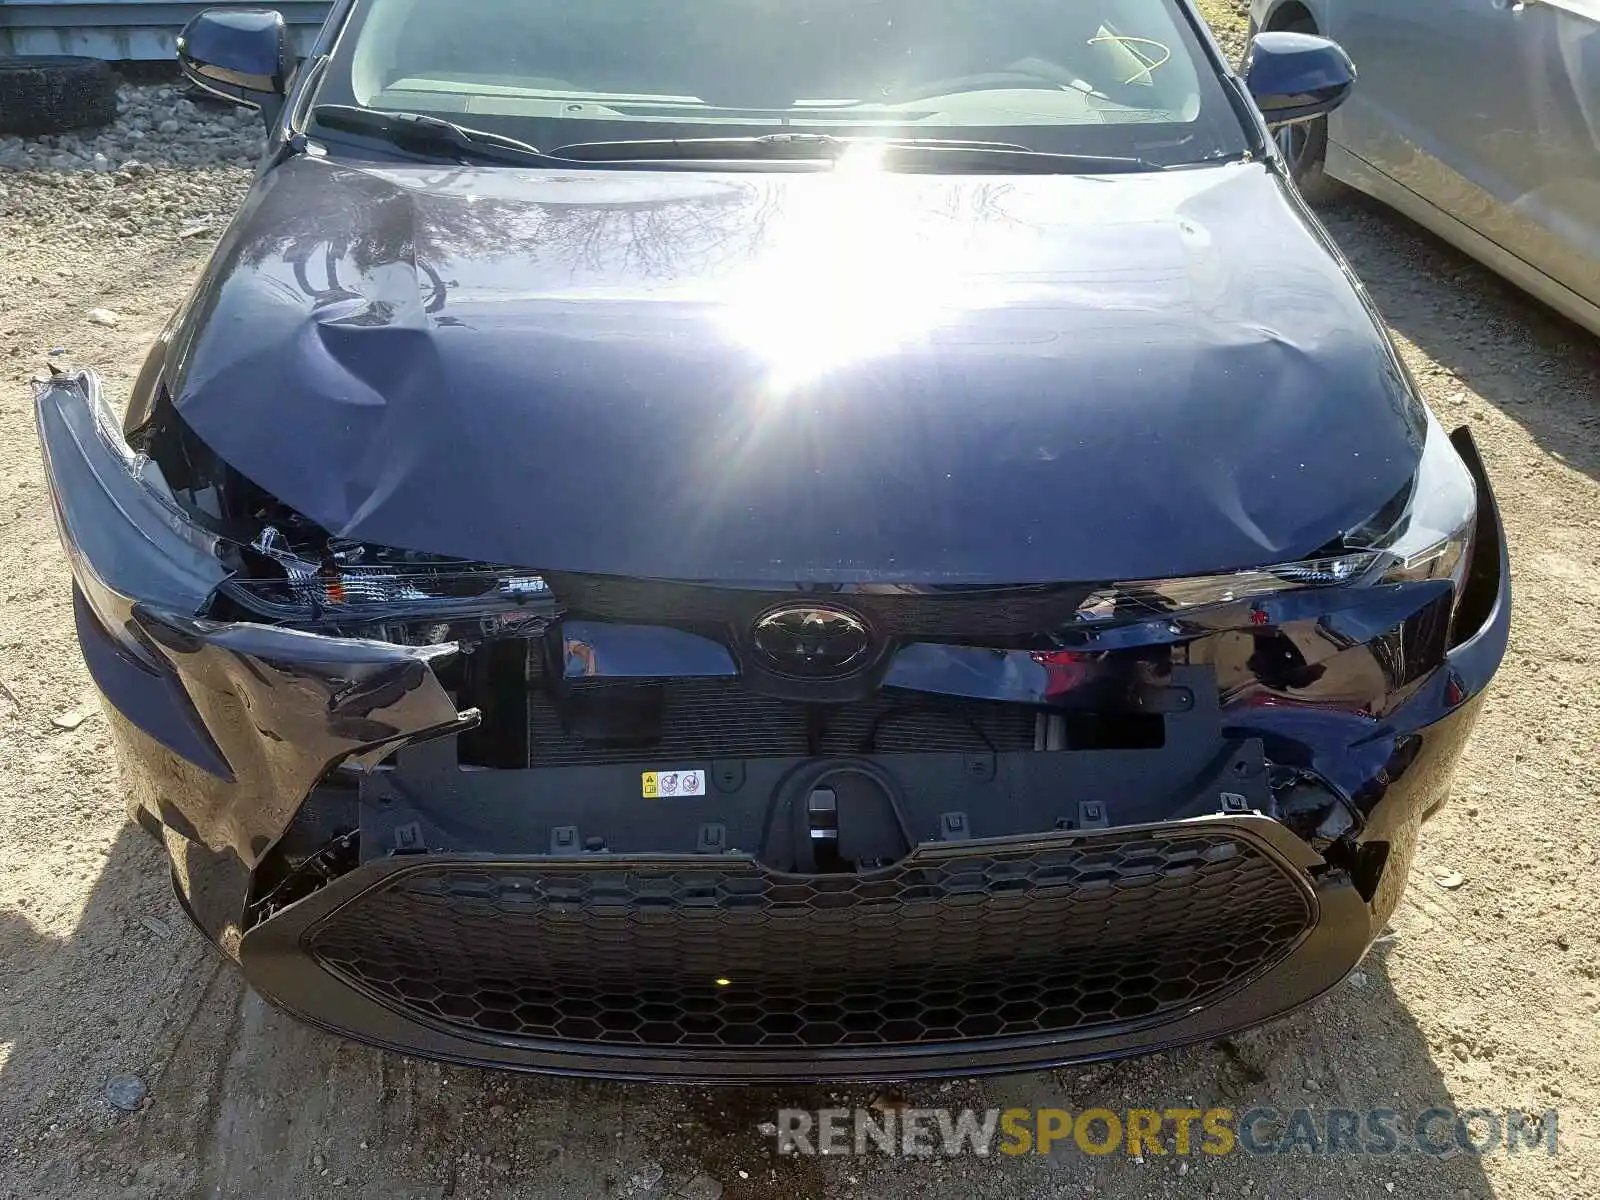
(1539, 369)
(243, 1100)
(109, 1001)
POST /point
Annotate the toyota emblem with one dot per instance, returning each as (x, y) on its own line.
(811, 642)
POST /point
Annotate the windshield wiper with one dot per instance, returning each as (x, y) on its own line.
(898, 153)
(419, 131)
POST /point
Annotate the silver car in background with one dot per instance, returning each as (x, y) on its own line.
(1479, 119)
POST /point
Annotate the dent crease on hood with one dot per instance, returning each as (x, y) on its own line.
(895, 378)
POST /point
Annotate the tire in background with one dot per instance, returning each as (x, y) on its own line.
(1308, 160)
(55, 93)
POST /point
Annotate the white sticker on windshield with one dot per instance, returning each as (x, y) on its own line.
(663, 785)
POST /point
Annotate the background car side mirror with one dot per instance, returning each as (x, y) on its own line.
(1297, 76)
(239, 54)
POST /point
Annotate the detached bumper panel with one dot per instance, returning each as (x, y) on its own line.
(979, 955)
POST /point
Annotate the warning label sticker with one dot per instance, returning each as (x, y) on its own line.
(663, 785)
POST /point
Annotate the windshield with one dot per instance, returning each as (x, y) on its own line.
(1105, 77)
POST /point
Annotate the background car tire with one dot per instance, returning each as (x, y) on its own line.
(1305, 147)
(55, 93)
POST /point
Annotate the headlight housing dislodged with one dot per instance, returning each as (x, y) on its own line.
(413, 598)
(1432, 536)
(132, 542)
(128, 539)
(1424, 534)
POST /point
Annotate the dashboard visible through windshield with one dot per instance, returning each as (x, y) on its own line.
(1106, 77)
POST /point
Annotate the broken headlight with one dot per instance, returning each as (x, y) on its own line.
(1424, 533)
(129, 540)
(412, 598)
(157, 533)
(1431, 535)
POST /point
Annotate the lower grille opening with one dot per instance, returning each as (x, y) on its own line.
(728, 955)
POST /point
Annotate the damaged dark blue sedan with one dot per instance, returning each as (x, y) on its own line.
(743, 540)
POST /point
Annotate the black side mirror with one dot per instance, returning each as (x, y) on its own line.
(239, 54)
(1296, 77)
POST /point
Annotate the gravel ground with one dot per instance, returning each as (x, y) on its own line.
(1484, 995)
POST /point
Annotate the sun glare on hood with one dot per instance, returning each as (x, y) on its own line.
(851, 274)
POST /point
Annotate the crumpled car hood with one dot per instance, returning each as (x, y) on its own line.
(837, 376)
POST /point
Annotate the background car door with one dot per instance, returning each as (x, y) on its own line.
(1489, 109)
(1557, 43)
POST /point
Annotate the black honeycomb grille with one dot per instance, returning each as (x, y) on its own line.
(727, 955)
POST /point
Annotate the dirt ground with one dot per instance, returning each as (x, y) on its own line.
(1483, 995)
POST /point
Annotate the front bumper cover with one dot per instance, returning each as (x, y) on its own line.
(224, 730)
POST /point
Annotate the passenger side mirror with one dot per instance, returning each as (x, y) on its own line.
(239, 54)
(1296, 77)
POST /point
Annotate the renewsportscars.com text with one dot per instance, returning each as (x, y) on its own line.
(930, 1132)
